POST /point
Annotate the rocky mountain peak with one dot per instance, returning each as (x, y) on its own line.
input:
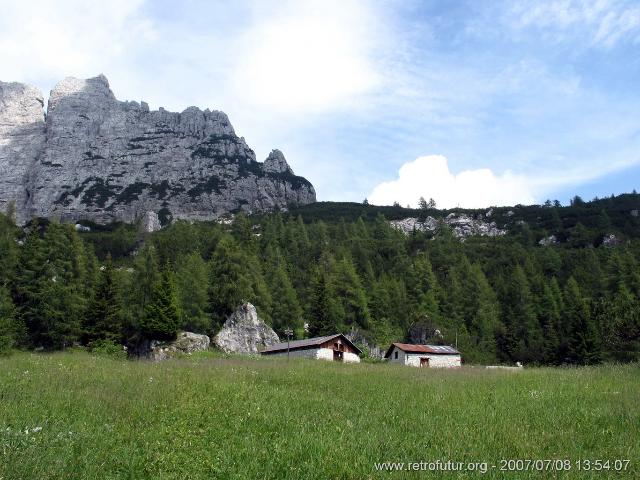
(276, 163)
(75, 92)
(20, 104)
(101, 159)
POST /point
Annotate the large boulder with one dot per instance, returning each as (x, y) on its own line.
(244, 332)
(186, 342)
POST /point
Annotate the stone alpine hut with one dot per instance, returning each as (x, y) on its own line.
(434, 356)
(336, 348)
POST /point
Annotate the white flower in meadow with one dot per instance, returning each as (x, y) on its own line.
(36, 429)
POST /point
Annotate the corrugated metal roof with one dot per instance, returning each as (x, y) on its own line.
(432, 349)
(306, 343)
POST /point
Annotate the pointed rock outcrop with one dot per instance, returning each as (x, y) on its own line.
(244, 332)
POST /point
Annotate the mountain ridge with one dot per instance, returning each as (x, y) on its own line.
(94, 157)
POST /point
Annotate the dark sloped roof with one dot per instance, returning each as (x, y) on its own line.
(307, 343)
(432, 349)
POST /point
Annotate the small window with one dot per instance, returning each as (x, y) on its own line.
(396, 355)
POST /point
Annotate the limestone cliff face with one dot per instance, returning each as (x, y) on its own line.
(101, 159)
(22, 138)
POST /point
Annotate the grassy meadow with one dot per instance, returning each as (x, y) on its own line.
(73, 415)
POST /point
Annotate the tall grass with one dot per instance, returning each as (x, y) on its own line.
(72, 415)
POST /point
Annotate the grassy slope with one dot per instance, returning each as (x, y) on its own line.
(243, 418)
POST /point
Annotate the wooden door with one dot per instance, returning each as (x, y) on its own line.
(338, 356)
(424, 362)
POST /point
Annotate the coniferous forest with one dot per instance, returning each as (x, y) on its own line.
(337, 267)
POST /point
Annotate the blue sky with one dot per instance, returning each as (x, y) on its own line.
(473, 103)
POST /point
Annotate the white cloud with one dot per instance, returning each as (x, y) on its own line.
(307, 56)
(42, 40)
(607, 22)
(430, 177)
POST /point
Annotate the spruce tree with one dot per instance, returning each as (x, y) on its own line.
(230, 282)
(621, 325)
(162, 314)
(583, 346)
(50, 286)
(549, 316)
(325, 313)
(485, 317)
(349, 290)
(452, 301)
(192, 278)
(9, 252)
(63, 288)
(524, 336)
(7, 322)
(29, 283)
(286, 311)
(103, 320)
(146, 275)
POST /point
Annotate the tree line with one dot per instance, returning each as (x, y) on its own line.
(501, 299)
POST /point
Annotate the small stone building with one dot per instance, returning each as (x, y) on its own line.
(336, 348)
(431, 356)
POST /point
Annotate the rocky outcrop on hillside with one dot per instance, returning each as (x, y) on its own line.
(550, 240)
(461, 225)
(101, 159)
(611, 240)
(244, 332)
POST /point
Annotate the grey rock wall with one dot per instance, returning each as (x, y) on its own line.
(22, 140)
(101, 159)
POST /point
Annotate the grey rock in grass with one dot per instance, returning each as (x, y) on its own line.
(101, 159)
(245, 332)
(189, 342)
(186, 342)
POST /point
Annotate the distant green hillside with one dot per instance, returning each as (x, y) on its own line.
(339, 267)
(612, 214)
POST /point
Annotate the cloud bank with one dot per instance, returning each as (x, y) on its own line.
(430, 177)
